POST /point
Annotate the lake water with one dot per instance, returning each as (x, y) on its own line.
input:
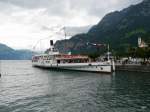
(27, 89)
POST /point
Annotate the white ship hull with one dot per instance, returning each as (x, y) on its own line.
(103, 67)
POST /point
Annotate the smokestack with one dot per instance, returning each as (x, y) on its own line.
(51, 43)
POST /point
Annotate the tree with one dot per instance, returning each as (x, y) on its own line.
(131, 52)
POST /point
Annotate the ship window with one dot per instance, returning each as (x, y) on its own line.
(58, 61)
(101, 68)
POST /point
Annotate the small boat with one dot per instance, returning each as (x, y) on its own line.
(52, 59)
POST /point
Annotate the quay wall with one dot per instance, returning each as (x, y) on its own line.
(134, 68)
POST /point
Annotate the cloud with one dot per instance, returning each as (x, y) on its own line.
(70, 7)
(24, 22)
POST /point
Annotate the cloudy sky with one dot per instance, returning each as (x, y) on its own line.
(24, 22)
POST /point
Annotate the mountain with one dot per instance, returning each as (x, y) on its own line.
(120, 29)
(72, 30)
(7, 53)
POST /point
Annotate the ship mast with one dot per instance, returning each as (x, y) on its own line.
(65, 36)
(108, 48)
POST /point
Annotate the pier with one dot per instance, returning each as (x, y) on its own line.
(133, 68)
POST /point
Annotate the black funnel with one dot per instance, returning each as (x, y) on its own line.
(51, 43)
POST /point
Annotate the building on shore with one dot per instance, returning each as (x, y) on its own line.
(141, 43)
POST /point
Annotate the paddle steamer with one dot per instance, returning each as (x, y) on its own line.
(52, 59)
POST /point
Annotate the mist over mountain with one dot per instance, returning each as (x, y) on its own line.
(7, 53)
(70, 31)
(120, 29)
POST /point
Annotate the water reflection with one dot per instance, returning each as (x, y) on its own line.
(131, 91)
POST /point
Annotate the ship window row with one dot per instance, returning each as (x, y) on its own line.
(43, 57)
(73, 61)
(47, 61)
(34, 60)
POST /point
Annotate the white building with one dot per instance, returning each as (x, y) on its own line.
(141, 43)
